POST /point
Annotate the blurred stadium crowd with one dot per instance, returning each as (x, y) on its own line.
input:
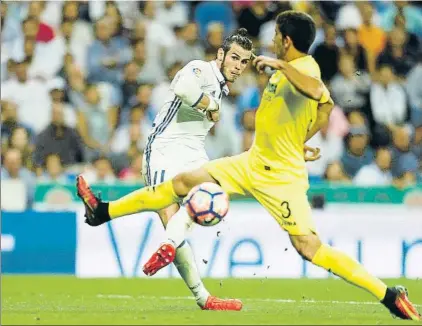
(81, 82)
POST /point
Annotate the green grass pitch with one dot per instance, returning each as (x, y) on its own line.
(60, 300)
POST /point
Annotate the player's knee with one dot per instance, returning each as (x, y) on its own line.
(184, 182)
(306, 245)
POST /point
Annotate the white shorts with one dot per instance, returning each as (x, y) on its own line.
(164, 163)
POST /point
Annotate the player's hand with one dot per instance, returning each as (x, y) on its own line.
(315, 153)
(213, 116)
(263, 61)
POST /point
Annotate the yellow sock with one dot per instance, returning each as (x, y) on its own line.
(349, 269)
(145, 199)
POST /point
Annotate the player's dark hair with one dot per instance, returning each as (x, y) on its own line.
(299, 26)
(240, 37)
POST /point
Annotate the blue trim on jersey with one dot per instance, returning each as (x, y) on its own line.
(199, 100)
(174, 107)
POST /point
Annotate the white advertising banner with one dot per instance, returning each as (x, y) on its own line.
(249, 243)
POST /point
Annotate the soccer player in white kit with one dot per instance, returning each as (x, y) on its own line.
(177, 144)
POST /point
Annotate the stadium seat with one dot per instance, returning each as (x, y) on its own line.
(214, 11)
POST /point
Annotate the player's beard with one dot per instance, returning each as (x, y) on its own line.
(280, 52)
(224, 75)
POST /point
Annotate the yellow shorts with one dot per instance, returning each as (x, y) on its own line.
(287, 203)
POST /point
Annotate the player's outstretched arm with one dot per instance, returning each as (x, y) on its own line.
(309, 86)
(323, 116)
(188, 88)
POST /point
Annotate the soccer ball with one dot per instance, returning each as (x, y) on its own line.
(207, 204)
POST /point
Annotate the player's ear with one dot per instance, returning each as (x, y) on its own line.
(220, 54)
(287, 42)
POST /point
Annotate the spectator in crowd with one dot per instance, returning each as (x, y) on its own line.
(395, 53)
(406, 171)
(357, 153)
(102, 172)
(10, 29)
(160, 38)
(332, 147)
(9, 120)
(187, 45)
(351, 15)
(129, 140)
(354, 49)
(417, 144)
(315, 13)
(131, 136)
(402, 151)
(143, 100)
(371, 36)
(335, 173)
(81, 34)
(250, 98)
(68, 44)
(172, 13)
(58, 139)
(47, 54)
(254, 16)
(133, 173)
(412, 15)
(12, 169)
(44, 32)
(414, 91)
(30, 95)
(378, 173)
(413, 41)
(96, 122)
(68, 67)
(349, 89)
(20, 140)
(57, 87)
(215, 36)
(106, 55)
(327, 54)
(130, 83)
(149, 71)
(388, 99)
(54, 172)
(116, 22)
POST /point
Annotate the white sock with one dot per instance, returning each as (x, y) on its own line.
(186, 265)
(178, 227)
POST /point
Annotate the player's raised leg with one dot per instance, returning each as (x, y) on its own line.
(394, 298)
(151, 198)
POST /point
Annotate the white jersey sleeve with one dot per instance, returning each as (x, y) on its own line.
(189, 82)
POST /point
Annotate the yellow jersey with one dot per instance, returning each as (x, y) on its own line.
(282, 122)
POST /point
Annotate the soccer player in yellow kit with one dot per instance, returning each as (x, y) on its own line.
(294, 106)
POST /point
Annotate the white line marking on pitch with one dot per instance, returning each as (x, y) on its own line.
(122, 296)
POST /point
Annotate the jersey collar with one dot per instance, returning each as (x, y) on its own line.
(220, 77)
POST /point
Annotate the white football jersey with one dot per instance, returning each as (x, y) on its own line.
(179, 122)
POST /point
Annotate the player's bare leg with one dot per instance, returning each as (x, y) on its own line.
(178, 250)
(153, 198)
(394, 299)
